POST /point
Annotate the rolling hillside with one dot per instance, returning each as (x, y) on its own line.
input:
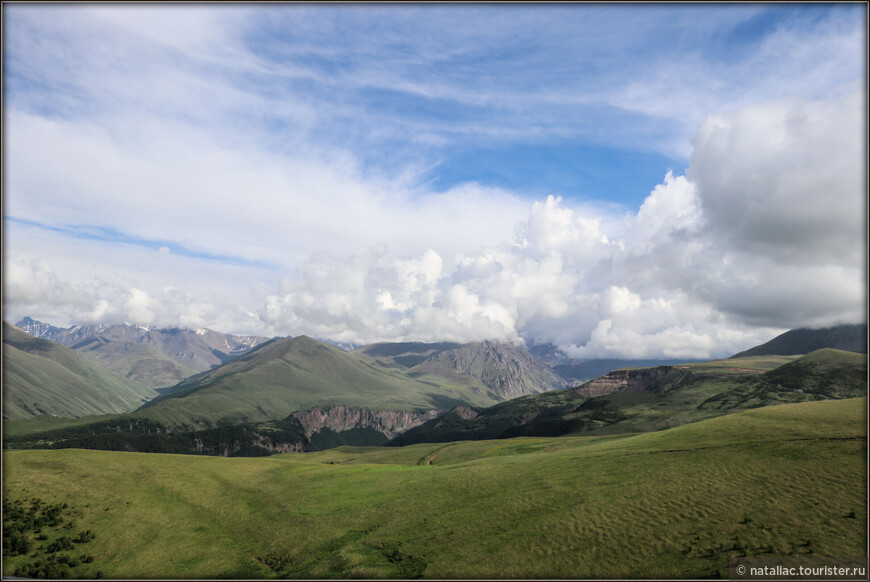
(649, 399)
(850, 338)
(289, 387)
(44, 378)
(785, 480)
(288, 375)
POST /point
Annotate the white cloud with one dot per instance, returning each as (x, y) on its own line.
(794, 183)
(683, 277)
(786, 213)
(670, 213)
(205, 138)
(692, 274)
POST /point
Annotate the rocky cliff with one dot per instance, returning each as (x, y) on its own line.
(340, 418)
(506, 370)
(630, 381)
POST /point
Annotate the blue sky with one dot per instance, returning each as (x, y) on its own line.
(381, 153)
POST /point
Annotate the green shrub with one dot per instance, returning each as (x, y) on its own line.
(84, 537)
(61, 543)
(18, 544)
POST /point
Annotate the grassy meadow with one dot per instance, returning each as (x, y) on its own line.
(780, 480)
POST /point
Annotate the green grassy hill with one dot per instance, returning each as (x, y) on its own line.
(828, 372)
(287, 375)
(44, 378)
(780, 480)
(141, 362)
(649, 399)
(850, 338)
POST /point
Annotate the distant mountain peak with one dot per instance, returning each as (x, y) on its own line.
(37, 328)
(504, 369)
(157, 357)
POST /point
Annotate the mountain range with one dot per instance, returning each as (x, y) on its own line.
(502, 370)
(153, 357)
(300, 393)
(287, 375)
(388, 386)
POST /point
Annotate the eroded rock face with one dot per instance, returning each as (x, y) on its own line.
(630, 381)
(340, 418)
(280, 447)
(506, 370)
(465, 412)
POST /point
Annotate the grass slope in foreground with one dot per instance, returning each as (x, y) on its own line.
(780, 480)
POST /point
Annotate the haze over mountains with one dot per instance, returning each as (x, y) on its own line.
(506, 371)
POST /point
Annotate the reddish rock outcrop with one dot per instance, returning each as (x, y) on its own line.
(465, 412)
(631, 381)
(340, 418)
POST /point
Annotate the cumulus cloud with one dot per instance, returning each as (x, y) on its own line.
(693, 273)
(793, 184)
(764, 233)
(783, 192)
(231, 165)
(71, 289)
(33, 286)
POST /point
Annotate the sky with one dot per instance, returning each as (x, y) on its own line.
(618, 180)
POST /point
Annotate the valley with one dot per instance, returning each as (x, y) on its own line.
(298, 459)
(649, 399)
(389, 291)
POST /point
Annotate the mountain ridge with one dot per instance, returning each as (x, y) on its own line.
(285, 375)
(505, 371)
(156, 357)
(643, 399)
(847, 337)
(43, 377)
